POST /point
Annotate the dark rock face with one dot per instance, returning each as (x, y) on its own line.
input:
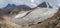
(44, 5)
(23, 7)
(12, 7)
(8, 8)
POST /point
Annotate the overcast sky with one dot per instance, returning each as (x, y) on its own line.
(30, 3)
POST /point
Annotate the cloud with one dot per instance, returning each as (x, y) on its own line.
(3, 3)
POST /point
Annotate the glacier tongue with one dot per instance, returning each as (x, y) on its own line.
(37, 15)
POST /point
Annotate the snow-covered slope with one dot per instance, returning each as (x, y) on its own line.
(37, 15)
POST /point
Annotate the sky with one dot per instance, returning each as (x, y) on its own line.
(30, 3)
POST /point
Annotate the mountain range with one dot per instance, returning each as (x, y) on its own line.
(10, 7)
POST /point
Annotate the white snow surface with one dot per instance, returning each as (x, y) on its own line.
(37, 15)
